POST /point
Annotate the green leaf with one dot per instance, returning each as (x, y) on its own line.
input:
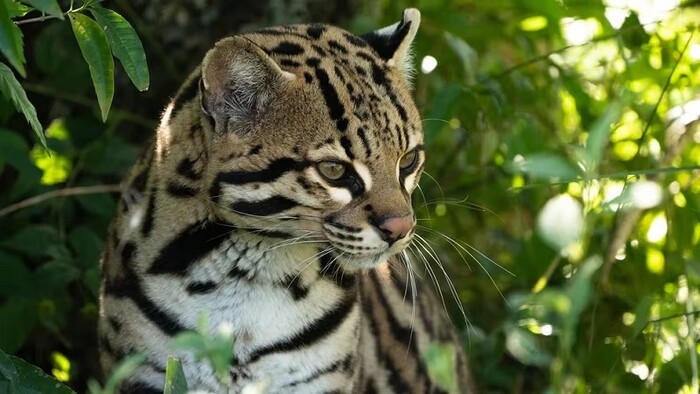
(87, 246)
(641, 315)
(18, 317)
(95, 49)
(175, 382)
(10, 88)
(125, 369)
(17, 9)
(441, 362)
(14, 275)
(467, 55)
(31, 379)
(48, 7)
(8, 371)
(11, 43)
(524, 346)
(33, 241)
(580, 287)
(546, 166)
(54, 276)
(189, 340)
(599, 134)
(441, 108)
(125, 45)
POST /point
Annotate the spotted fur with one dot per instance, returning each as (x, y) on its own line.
(228, 212)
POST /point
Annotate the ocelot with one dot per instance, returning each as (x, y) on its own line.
(276, 197)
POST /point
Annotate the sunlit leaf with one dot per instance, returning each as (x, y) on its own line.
(10, 88)
(175, 382)
(11, 43)
(533, 23)
(49, 7)
(125, 45)
(524, 347)
(545, 166)
(95, 49)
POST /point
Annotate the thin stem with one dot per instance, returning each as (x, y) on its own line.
(667, 84)
(37, 19)
(97, 189)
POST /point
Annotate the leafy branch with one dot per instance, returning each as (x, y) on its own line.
(100, 38)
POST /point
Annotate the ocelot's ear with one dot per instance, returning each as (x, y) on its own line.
(239, 81)
(393, 43)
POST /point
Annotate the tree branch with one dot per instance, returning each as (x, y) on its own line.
(59, 193)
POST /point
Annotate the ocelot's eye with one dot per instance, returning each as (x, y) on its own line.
(408, 161)
(332, 170)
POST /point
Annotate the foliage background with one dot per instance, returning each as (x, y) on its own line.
(563, 145)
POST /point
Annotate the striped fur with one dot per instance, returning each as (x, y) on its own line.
(228, 212)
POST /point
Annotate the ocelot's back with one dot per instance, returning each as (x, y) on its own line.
(276, 197)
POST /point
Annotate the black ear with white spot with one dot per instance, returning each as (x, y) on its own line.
(393, 43)
(239, 81)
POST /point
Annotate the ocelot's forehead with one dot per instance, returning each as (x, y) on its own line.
(349, 96)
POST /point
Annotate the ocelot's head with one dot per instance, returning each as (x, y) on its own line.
(316, 136)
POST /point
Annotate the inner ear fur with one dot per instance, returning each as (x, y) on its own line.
(393, 43)
(239, 81)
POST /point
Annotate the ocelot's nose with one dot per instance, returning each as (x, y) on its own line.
(393, 228)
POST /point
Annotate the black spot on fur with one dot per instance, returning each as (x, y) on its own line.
(201, 287)
(347, 146)
(187, 94)
(130, 286)
(297, 290)
(313, 62)
(289, 63)
(255, 150)
(139, 183)
(288, 48)
(308, 77)
(315, 31)
(337, 46)
(267, 207)
(355, 40)
(313, 332)
(149, 217)
(189, 246)
(331, 270)
(273, 171)
(365, 142)
(181, 191)
(127, 254)
(335, 108)
(186, 169)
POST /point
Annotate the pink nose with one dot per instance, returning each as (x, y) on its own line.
(395, 228)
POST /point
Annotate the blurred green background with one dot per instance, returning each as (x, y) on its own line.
(561, 195)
